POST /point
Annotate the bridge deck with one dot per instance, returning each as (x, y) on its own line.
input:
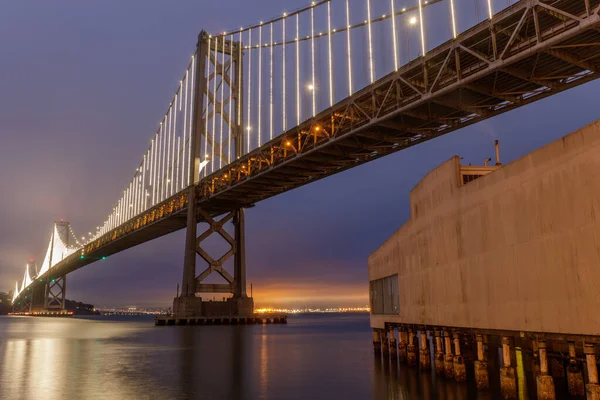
(530, 51)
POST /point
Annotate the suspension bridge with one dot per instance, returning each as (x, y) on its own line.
(263, 109)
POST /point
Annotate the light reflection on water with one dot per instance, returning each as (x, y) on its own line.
(312, 357)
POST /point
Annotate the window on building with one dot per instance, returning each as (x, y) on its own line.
(384, 295)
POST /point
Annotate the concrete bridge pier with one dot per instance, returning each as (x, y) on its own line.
(393, 347)
(482, 379)
(424, 357)
(460, 370)
(508, 380)
(592, 388)
(545, 383)
(402, 345)
(385, 346)
(411, 352)
(574, 373)
(439, 354)
(449, 357)
(376, 343)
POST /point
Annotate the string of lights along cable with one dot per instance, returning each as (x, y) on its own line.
(263, 80)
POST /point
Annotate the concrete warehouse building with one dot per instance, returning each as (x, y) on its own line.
(511, 251)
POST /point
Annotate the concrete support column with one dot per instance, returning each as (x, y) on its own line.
(536, 359)
(424, 358)
(376, 343)
(402, 344)
(592, 388)
(482, 378)
(393, 347)
(385, 347)
(411, 351)
(545, 383)
(508, 381)
(448, 357)
(574, 373)
(439, 354)
(460, 371)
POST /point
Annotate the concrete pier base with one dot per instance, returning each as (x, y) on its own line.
(402, 355)
(592, 391)
(424, 357)
(545, 387)
(393, 347)
(424, 360)
(508, 379)
(508, 383)
(460, 370)
(187, 306)
(482, 379)
(376, 343)
(438, 355)
(575, 381)
(544, 382)
(411, 355)
(385, 347)
(448, 357)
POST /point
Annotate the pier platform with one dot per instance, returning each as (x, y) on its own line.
(224, 320)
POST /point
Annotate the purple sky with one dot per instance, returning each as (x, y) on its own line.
(82, 88)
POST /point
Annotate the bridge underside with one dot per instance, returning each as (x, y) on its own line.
(529, 51)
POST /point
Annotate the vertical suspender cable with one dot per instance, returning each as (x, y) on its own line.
(283, 83)
(422, 28)
(208, 64)
(230, 120)
(174, 134)
(249, 115)
(453, 16)
(330, 53)
(260, 46)
(240, 133)
(214, 113)
(190, 126)
(222, 99)
(371, 66)
(178, 159)
(297, 69)
(271, 86)
(395, 40)
(490, 9)
(185, 108)
(349, 51)
(312, 60)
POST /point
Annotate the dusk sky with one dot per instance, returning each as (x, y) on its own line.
(82, 87)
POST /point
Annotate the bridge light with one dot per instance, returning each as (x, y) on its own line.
(311, 87)
(412, 21)
(288, 143)
(104, 257)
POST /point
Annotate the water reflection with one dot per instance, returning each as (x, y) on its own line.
(312, 357)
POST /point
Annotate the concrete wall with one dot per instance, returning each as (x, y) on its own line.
(517, 249)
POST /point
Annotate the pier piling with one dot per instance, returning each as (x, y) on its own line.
(508, 382)
(411, 352)
(424, 358)
(545, 383)
(574, 373)
(481, 369)
(376, 342)
(592, 388)
(402, 343)
(448, 357)
(439, 354)
(460, 371)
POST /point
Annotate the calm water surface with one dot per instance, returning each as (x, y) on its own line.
(312, 357)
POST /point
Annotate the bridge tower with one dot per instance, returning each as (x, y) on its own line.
(224, 57)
